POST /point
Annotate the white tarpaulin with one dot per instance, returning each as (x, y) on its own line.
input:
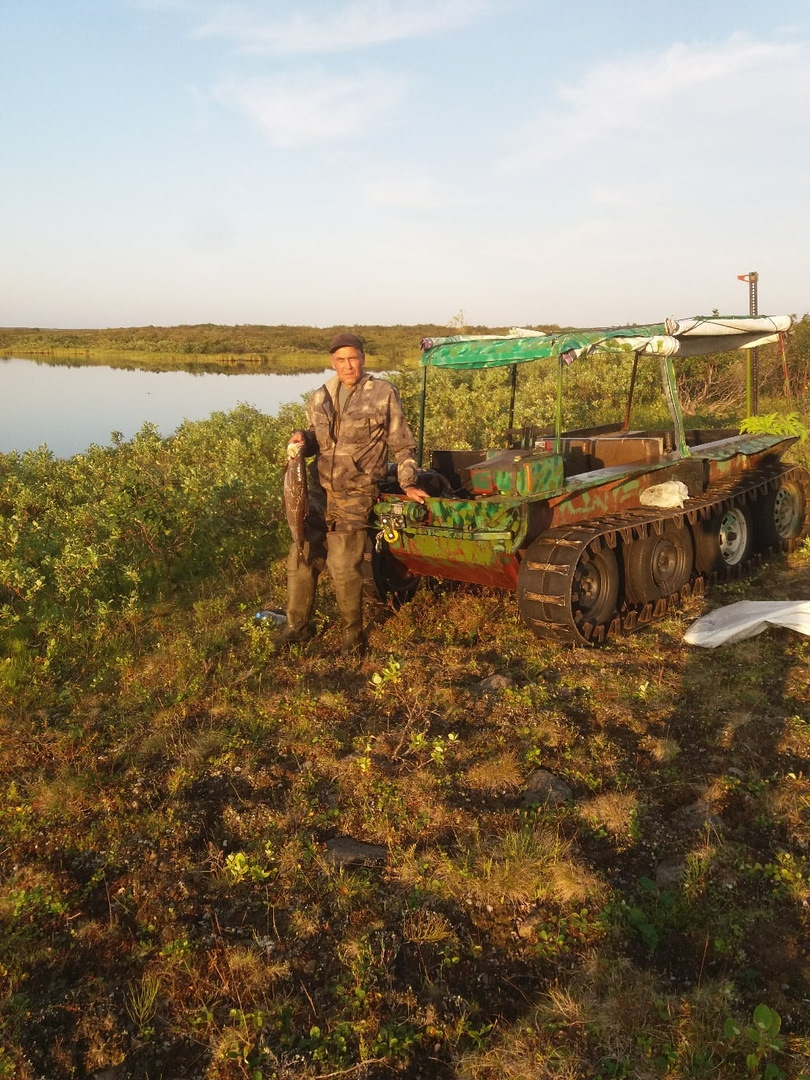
(747, 619)
(706, 326)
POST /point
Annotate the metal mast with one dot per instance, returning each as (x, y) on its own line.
(752, 370)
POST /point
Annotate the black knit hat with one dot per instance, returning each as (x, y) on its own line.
(346, 341)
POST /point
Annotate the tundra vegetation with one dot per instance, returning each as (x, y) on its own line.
(210, 347)
(564, 863)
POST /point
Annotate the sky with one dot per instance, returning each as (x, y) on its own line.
(356, 162)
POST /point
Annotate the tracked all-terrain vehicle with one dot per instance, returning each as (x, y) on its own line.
(602, 529)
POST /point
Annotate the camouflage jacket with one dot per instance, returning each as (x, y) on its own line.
(353, 449)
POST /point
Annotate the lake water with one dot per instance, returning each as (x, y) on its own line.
(68, 408)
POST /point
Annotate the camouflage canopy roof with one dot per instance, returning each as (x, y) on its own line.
(697, 336)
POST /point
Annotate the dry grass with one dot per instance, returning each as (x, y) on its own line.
(615, 811)
(498, 774)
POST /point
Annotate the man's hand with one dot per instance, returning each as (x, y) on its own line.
(416, 494)
(296, 441)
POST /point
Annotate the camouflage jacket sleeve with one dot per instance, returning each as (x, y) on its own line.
(310, 442)
(401, 442)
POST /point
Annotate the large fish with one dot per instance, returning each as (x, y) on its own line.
(295, 498)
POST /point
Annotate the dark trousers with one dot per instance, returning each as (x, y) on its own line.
(336, 539)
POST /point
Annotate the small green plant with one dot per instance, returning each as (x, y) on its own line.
(239, 868)
(614, 1069)
(760, 1038)
(417, 742)
(788, 874)
(643, 690)
(440, 746)
(178, 949)
(478, 1036)
(395, 1041)
(775, 424)
(364, 757)
(653, 915)
(330, 1046)
(241, 1042)
(390, 675)
(36, 904)
(7, 1067)
(141, 1004)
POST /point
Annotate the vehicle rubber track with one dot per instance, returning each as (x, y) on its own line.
(550, 580)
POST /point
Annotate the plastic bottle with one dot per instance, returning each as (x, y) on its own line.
(271, 615)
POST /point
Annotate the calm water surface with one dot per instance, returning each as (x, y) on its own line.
(68, 408)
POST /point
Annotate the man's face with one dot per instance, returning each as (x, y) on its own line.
(348, 362)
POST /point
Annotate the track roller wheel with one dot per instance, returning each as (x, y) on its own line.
(594, 587)
(658, 565)
(781, 515)
(723, 540)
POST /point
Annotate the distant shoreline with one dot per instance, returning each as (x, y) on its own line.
(203, 363)
(217, 348)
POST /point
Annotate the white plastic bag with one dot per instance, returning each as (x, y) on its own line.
(746, 619)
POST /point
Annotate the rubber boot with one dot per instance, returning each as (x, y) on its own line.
(302, 582)
(344, 560)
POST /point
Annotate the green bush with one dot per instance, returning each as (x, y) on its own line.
(100, 533)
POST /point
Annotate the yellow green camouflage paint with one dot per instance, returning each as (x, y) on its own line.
(516, 495)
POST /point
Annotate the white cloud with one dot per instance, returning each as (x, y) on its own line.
(327, 27)
(306, 108)
(643, 109)
(415, 193)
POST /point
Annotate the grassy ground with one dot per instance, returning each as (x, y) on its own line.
(173, 906)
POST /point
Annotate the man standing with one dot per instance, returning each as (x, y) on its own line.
(355, 419)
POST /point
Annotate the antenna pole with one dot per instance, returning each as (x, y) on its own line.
(752, 368)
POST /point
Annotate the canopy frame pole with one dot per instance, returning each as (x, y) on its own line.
(558, 408)
(512, 389)
(420, 445)
(671, 395)
(785, 375)
(626, 425)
